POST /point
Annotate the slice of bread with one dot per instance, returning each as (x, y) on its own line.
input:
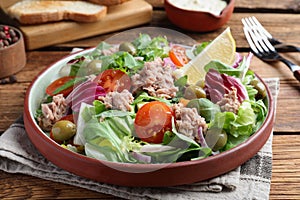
(108, 2)
(42, 11)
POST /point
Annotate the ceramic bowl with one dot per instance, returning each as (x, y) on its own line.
(12, 57)
(198, 21)
(142, 175)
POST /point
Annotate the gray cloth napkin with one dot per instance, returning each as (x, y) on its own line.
(249, 181)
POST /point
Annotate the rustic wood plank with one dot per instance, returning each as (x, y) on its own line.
(287, 5)
(283, 26)
(17, 186)
(286, 167)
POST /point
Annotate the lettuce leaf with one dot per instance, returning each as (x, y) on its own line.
(109, 139)
(238, 72)
(149, 48)
(123, 61)
(239, 126)
(245, 121)
(144, 97)
(205, 108)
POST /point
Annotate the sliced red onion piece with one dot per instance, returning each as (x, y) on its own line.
(155, 148)
(86, 99)
(168, 62)
(86, 92)
(141, 157)
(81, 87)
(202, 140)
(238, 59)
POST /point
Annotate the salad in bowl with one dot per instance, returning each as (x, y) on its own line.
(127, 104)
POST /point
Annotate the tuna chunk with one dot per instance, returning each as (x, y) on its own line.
(52, 112)
(118, 100)
(188, 121)
(156, 79)
(230, 102)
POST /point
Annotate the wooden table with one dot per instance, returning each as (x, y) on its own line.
(282, 18)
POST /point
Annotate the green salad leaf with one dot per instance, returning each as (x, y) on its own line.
(108, 135)
(144, 97)
(123, 61)
(205, 108)
(149, 48)
(200, 47)
(110, 138)
(226, 69)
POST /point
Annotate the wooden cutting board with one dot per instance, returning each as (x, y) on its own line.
(126, 15)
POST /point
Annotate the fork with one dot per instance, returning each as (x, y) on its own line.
(263, 49)
(255, 24)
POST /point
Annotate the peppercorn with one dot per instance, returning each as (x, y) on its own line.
(8, 36)
(12, 33)
(2, 35)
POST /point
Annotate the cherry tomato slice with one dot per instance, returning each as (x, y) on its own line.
(113, 80)
(52, 88)
(152, 121)
(178, 55)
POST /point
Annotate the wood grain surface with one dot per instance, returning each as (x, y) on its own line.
(254, 5)
(281, 18)
(126, 15)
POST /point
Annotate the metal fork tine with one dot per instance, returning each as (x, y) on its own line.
(262, 47)
(260, 27)
(257, 40)
(263, 32)
(260, 39)
(254, 25)
(250, 42)
(267, 42)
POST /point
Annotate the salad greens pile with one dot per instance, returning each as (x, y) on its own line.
(109, 134)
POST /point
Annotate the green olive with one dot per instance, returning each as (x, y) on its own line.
(63, 130)
(259, 86)
(128, 47)
(194, 92)
(216, 138)
(201, 83)
(94, 67)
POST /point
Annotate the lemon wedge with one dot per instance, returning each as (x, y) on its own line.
(222, 48)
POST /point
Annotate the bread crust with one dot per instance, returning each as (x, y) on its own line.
(108, 2)
(36, 12)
